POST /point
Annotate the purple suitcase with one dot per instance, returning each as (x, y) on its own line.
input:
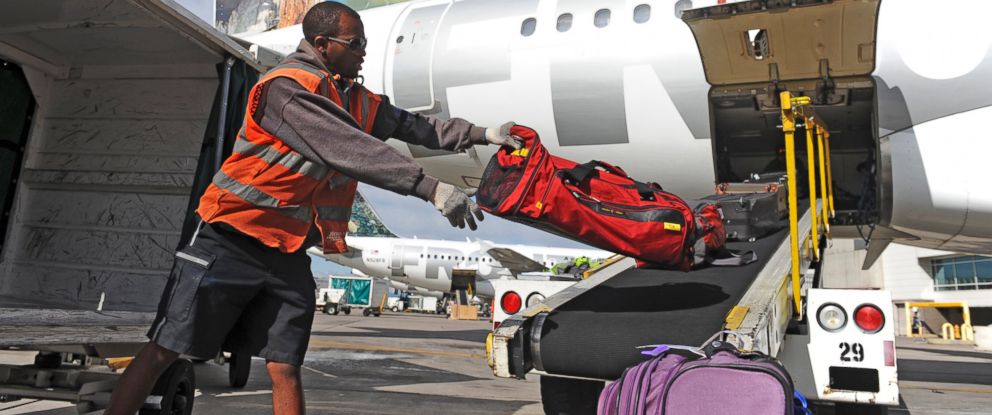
(725, 381)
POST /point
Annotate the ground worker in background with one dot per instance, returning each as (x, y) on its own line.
(575, 267)
(311, 131)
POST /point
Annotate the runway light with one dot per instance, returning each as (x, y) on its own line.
(869, 318)
(510, 302)
(831, 317)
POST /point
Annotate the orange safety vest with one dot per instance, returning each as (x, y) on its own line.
(270, 192)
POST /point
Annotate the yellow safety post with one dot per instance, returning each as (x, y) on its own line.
(909, 319)
(823, 180)
(789, 129)
(947, 331)
(811, 175)
(830, 177)
(967, 332)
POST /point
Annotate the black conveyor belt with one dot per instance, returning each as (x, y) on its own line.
(595, 335)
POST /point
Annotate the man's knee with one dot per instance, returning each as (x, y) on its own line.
(157, 355)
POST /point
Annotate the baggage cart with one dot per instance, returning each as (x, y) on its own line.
(350, 292)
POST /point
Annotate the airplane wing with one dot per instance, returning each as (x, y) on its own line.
(514, 261)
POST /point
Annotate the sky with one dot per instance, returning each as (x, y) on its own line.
(410, 217)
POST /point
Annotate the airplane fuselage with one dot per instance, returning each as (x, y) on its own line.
(628, 85)
(430, 264)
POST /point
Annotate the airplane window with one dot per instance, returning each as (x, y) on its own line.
(602, 18)
(564, 22)
(642, 13)
(528, 26)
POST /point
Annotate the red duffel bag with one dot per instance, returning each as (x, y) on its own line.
(595, 203)
(599, 204)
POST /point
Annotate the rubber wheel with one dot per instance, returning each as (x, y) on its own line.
(376, 313)
(395, 309)
(239, 367)
(177, 387)
(366, 312)
(563, 396)
(330, 309)
(347, 311)
(327, 304)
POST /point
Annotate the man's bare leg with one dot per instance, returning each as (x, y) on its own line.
(139, 378)
(287, 389)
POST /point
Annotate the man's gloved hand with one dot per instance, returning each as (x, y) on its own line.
(501, 136)
(455, 205)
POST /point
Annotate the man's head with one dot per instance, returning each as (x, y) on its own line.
(337, 33)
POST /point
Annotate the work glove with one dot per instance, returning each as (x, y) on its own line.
(455, 205)
(501, 136)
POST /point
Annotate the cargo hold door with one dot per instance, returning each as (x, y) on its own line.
(753, 41)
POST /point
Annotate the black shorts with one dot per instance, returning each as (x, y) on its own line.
(228, 290)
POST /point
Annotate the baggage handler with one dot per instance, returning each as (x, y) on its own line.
(311, 131)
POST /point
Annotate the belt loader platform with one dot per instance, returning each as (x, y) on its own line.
(594, 328)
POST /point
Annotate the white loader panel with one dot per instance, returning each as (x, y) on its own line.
(849, 363)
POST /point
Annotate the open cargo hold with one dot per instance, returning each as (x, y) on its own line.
(114, 117)
(825, 53)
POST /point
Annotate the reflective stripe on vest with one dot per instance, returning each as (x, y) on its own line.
(334, 213)
(293, 161)
(250, 194)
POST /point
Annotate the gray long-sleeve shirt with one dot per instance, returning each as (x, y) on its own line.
(324, 132)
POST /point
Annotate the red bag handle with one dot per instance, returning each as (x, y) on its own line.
(581, 172)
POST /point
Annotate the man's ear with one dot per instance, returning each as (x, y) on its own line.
(320, 43)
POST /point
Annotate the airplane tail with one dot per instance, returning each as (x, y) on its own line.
(365, 221)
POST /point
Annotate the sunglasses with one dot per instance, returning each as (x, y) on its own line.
(355, 43)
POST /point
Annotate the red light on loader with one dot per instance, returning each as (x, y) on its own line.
(869, 318)
(510, 302)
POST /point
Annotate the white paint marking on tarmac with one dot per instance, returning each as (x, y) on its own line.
(490, 390)
(319, 372)
(247, 393)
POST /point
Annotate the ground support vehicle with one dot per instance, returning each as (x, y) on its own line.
(838, 345)
(112, 114)
(349, 292)
(328, 299)
(422, 304)
(395, 304)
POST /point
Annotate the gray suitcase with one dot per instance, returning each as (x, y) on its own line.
(752, 210)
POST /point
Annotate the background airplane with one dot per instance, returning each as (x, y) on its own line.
(624, 81)
(430, 264)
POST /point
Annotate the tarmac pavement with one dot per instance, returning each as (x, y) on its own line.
(404, 363)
